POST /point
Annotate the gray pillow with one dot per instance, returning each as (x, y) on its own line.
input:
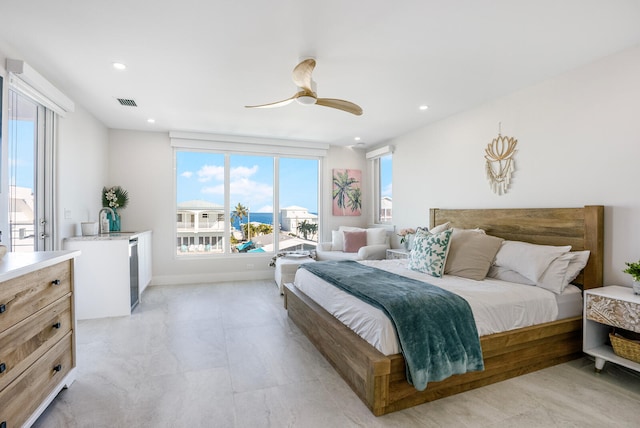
(471, 253)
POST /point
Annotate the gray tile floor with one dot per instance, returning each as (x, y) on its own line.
(226, 355)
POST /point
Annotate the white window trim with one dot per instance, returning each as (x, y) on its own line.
(244, 144)
(29, 82)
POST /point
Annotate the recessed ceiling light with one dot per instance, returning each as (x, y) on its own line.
(151, 120)
(423, 107)
(119, 66)
(357, 138)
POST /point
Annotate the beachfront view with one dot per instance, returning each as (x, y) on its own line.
(250, 223)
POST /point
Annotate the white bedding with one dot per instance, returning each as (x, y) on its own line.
(497, 306)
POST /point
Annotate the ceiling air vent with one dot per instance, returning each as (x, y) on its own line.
(127, 102)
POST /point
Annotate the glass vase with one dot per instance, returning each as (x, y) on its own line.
(114, 221)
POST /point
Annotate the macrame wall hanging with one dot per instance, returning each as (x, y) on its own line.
(500, 164)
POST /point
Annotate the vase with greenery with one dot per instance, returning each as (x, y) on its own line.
(633, 269)
(115, 198)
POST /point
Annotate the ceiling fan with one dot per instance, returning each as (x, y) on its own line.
(307, 92)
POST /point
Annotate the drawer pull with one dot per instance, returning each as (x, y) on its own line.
(57, 368)
(3, 367)
(55, 282)
(57, 325)
(3, 308)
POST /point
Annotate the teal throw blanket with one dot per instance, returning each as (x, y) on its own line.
(435, 328)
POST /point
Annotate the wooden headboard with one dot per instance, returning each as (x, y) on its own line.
(582, 228)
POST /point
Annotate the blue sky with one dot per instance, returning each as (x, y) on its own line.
(22, 154)
(201, 176)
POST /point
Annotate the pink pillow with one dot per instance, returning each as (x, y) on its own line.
(353, 241)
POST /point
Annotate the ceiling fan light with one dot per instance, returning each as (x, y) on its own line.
(306, 100)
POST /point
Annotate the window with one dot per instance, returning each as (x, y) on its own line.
(385, 196)
(230, 203)
(382, 178)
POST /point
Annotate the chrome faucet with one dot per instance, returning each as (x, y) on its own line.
(105, 224)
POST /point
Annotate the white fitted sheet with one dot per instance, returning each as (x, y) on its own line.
(497, 306)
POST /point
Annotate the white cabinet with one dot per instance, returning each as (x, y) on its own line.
(102, 274)
(604, 308)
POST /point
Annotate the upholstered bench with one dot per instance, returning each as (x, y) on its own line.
(286, 267)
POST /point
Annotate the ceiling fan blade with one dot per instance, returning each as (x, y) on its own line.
(302, 74)
(340, 105)
(276, 104)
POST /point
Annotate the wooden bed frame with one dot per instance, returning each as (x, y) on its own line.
(380, 380)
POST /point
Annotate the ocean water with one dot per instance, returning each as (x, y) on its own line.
(266, 218)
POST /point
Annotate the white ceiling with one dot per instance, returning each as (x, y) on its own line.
(194, 64)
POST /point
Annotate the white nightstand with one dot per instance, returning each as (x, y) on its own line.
(397, 253)
(606, 307)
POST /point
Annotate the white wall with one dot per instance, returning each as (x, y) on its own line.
(82, 152)
(578, 144)
(142, 163)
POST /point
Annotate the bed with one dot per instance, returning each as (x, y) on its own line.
(380, 380)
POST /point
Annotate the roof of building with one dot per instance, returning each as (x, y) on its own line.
(199, 204)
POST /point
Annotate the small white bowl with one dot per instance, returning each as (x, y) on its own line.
(89, 228)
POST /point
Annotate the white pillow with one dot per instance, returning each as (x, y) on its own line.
(558, 275)
(553, 277)
(563, 270)
(529, 260)
(504, 274)
(337, 240)
(577, 263)
(376, 236)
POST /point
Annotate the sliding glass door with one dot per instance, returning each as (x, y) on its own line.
(29, 137)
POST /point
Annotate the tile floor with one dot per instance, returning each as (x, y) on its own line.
(226, 355)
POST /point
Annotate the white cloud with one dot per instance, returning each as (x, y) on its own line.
(265, 209)
(243, 172)
(209, 172)
(187, 174)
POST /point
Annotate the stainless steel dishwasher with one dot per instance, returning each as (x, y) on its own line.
(133, 271)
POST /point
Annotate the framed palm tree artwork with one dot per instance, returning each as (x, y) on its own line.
(347, 194)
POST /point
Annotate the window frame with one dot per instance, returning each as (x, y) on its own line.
(316, 153)
(375, 157)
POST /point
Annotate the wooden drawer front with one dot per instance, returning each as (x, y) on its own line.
(22, 397)
(25, 342)
(613, 312)
(27, 294)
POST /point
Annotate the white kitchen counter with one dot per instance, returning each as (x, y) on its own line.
(107, 236)
(14, 265)
(103, 273)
